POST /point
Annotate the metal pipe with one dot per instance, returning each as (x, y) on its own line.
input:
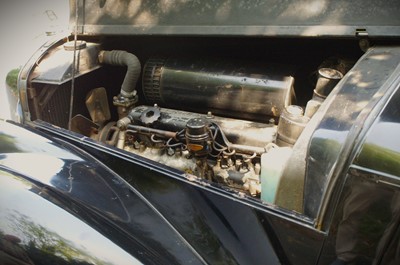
(121, 139)
(147, 130)
(247, 149)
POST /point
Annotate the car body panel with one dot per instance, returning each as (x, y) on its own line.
(45, 230)
(108, 199)
(336, 135)
(365, 226)
(244, 18)
(218, 227)
(380, 151)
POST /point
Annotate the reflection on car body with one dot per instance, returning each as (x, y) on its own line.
(201, 132)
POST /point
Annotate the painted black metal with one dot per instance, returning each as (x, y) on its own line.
(334, 137)
(87, 189)
(366, 219)
(381, 150)
(365, 224)
(37, 228)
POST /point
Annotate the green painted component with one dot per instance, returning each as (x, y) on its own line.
(273, 164)
(11, 80)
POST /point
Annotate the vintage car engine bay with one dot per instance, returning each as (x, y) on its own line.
(225, 110)
(205, 132)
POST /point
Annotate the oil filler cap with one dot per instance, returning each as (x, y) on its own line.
(80, 44)
(150, 115)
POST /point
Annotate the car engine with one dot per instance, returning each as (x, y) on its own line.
(231, 122)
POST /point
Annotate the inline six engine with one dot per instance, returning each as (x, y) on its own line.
(241, 125)
(229, 122)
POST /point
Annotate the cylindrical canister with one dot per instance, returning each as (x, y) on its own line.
(291, 125)
(327, 80)
(227, 88)
(198, 136)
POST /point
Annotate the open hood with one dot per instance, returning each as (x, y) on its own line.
(304, 18)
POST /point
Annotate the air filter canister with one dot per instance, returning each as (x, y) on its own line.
(227, 88)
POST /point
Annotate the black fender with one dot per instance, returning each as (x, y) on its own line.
(54, 192)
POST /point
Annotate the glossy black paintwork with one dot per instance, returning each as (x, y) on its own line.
(367, 218)
(381, 150)
(102, 199)
(333, 139)
(37, 227)
(365, 227)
